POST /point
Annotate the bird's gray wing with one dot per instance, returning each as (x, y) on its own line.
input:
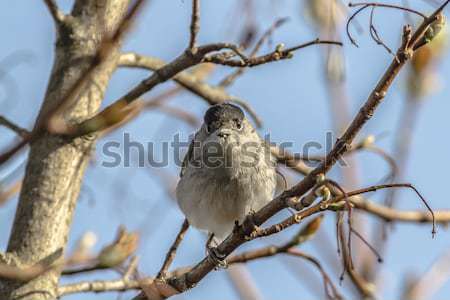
(187, 158)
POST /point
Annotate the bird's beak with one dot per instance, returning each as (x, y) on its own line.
(224, 132)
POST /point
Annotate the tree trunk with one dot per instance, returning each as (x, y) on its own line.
(55, 166)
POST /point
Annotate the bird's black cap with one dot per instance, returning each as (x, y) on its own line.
(223, 112)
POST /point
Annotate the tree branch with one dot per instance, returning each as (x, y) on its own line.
(228, 80)
(389, 214)
(57, 15)
(365, 5)
(8, 193)
(170, 256)
(393, 186)
(375, 4)
(195, 24)
(10, 125)
(278, 54)
(99, 286)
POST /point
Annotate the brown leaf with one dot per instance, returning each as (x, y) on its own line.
(117, 252)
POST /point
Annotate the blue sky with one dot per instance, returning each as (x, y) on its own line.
(291, 98)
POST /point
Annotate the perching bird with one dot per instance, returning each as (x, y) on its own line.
(227, 172)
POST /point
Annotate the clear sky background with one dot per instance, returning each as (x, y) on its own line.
(291, 98)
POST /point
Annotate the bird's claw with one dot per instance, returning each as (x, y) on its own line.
(250, 228)
(217, 258)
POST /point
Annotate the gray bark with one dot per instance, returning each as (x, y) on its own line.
(56, 166)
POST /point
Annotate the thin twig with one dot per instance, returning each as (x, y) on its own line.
(270, 251)
(365, 242)
(349, 218)
(364, 287)
(374, 33)
(100, 286)
(277, 54)
(396, 185)
(177, 113)
(290, 160)
(57, 15)
(267, 35)
(328, 284)
(131, 268)
(347, 26)
(170, 256)
(8, 193)
(373, 4)
(10, 125)
(181, 114)
(83, 269)
(389, 159)
(228, 80)
(408, 18)
(394, 215)
(195, 24)
(297, 162)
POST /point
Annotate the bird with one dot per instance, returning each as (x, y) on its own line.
(227, 173)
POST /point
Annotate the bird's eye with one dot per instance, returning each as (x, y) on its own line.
(208, 128)
(238, 124)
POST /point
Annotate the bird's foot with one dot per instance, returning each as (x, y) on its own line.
(217, 258)
(249, 226)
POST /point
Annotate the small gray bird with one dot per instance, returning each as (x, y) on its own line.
(227, 173)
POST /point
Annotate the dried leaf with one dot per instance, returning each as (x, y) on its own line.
(122, 248)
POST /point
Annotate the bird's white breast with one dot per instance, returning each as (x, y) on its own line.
(212, 199)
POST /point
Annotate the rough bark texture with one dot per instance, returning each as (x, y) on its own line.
(55, 167)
